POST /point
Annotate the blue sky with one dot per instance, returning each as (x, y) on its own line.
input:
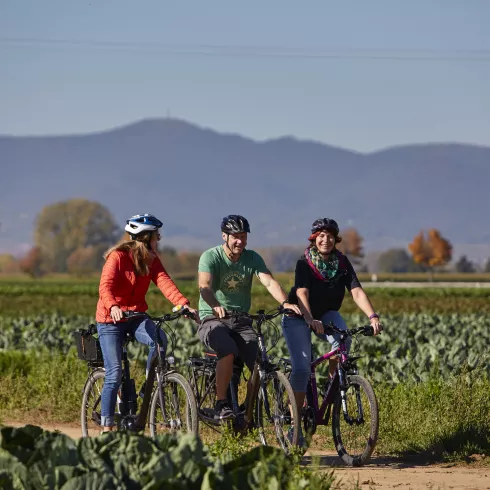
(351, 74)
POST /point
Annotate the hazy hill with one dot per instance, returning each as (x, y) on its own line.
(192, 176)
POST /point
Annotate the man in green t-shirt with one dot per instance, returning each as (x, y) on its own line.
(225, 284)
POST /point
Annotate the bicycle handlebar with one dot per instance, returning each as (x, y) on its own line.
(366, 330)
(182, 311)
(261, 314)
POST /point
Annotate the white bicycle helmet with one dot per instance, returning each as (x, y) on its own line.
(142, 222)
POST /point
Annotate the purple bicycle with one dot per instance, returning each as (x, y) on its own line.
(348, 398)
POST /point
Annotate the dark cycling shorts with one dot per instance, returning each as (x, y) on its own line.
(230, 336)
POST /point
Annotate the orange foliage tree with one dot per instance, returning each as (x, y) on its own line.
(31, 262)
(430, 250)
(351, 244)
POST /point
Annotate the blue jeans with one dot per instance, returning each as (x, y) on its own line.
(111, 337)
(298, 339)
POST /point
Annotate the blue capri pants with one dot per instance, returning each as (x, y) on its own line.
(298, 340)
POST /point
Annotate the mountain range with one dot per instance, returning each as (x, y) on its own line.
(191, 177)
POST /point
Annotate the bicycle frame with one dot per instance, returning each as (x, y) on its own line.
(338, 378)
(262, 365)
(157, 369)
(257, 381)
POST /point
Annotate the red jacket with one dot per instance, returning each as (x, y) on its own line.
(119, 285)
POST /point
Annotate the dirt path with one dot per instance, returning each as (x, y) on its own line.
(385, 472)
(380, 473)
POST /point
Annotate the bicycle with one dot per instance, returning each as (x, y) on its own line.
(343, 400)
(270, 401)
(169, 406)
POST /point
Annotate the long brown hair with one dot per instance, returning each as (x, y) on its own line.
(139, 249)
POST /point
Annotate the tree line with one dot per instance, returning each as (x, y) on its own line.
(71, 237)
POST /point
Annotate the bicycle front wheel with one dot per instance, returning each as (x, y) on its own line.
(179, 413)
(277, 414)
(91, 403)
(355, 431)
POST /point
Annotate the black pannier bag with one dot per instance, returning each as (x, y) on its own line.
(88, 346)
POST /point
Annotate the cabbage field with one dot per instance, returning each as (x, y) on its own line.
(434, 350)
(427, 332)
(413, 346)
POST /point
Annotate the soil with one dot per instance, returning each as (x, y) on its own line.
(407, 473)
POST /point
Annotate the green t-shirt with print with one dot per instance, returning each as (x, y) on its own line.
(232, 281)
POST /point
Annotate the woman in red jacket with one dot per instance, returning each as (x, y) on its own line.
(126, 276)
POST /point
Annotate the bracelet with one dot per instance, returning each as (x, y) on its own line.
(374, 315)
(284, 302)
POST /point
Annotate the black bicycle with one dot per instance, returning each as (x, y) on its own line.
(271, 406)
(169, 404)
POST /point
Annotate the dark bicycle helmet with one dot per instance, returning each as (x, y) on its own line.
(324, 224)
(234, 223)
(142, 222)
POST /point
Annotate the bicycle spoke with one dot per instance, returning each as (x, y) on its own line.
(278, 425)
(91, 405)
(180, 414)
(356, 431)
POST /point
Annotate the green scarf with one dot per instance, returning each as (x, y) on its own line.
(323, 269)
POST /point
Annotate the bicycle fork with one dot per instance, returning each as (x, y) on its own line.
(262, 378)
(343, 396)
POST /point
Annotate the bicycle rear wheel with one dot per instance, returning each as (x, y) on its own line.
(180, 407)
(355, 434)
(91, 403)
(277, 414)
(203, 382)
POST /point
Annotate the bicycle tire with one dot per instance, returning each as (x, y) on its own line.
(290, 414)
(90, 427)
(368, 444)
(170, 381)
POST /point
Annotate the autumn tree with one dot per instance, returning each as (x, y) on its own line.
(351, 244)
(84, 261)
(8, 264)
(31, 262)
(430, 250)
(66, 226)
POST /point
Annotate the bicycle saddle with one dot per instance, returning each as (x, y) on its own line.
(210, 354)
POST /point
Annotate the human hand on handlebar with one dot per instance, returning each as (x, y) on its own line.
(193, 313)
(377, 326)
(219, 311)
(116, 313)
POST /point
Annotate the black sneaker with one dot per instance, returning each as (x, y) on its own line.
(222, 410)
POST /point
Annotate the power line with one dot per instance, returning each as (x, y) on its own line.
(257, 51)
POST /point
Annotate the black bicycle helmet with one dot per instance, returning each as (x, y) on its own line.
(325, 224)
(234, 223)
